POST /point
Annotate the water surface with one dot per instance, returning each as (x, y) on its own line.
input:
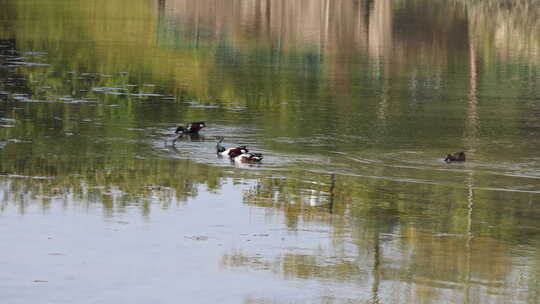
(354, 105)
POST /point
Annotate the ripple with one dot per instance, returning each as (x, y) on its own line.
(204, 107)
(507, 190)
(76, 101)
(29, 100)
(29, 64)
(3, 174)
(22, 141)
(145, 94)
(236, 108)
(35, 53)
(107, 89)
(123, 92)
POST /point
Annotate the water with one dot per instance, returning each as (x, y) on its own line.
(354, 105)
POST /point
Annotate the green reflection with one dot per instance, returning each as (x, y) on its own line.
(354, 102)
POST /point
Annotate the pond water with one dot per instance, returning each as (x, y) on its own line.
(354, 105)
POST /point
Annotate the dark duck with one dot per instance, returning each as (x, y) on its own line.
(191, 129)
(455, 157)
(238, 154)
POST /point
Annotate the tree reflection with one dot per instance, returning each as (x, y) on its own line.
(344, 69)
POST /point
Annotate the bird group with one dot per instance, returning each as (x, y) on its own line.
(239, 154)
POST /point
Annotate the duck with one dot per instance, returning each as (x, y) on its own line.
(456, 156)
(248, 157)
(192, 129)
(230, 152)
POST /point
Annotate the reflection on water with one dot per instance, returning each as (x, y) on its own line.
(354, 105)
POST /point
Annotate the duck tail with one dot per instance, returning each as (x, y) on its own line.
(256, 157)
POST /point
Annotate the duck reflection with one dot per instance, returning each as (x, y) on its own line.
(191, 137)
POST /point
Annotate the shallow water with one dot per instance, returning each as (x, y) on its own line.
(354, 105)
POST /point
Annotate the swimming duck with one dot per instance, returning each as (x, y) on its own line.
(190, 128)
(456, 156)
(230, 152)
(248, 158)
